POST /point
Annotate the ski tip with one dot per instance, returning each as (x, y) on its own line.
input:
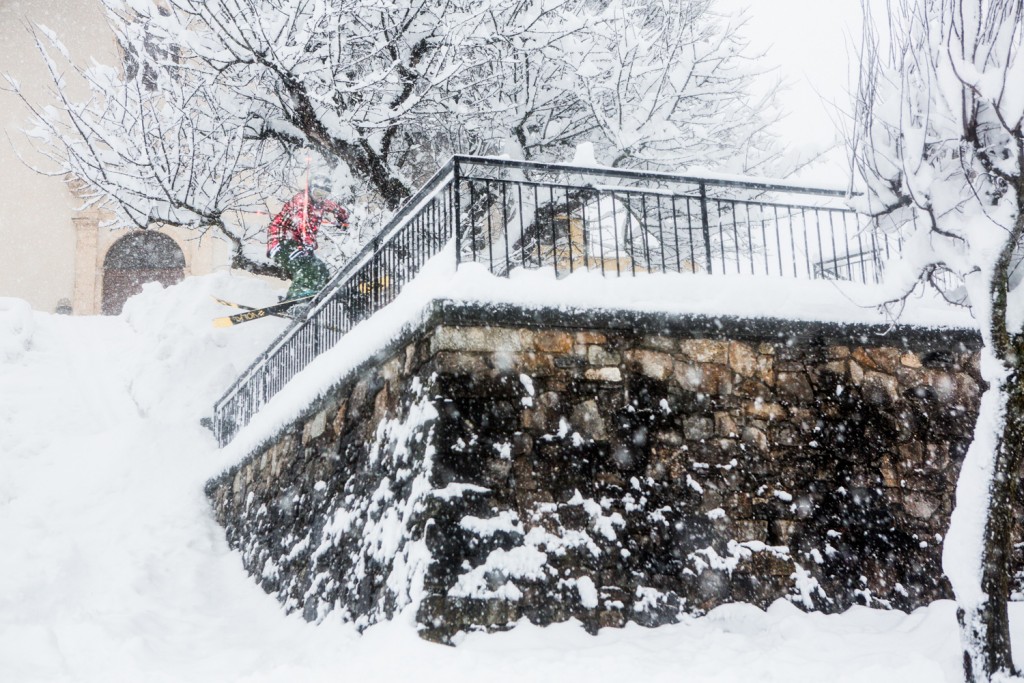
(222, 322)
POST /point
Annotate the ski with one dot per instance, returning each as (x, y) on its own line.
(250, 313)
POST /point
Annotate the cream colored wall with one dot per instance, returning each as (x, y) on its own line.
(49, 250)
(37, 237)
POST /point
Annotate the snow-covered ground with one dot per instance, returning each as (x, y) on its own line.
(112, 568)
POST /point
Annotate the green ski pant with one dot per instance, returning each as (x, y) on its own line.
(307, 273)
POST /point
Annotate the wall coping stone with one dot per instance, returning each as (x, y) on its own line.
(700, 326)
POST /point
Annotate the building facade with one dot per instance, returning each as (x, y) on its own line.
(54, 254)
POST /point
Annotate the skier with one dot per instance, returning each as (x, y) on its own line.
(291, 236)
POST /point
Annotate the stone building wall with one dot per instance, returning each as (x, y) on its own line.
(501, 463)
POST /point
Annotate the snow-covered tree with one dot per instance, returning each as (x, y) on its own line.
(220, 105)
(941, 141)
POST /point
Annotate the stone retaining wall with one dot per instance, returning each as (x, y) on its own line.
(500, 464)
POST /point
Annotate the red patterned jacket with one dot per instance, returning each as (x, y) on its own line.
(300, 223)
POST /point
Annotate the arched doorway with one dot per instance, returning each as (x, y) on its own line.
(136, 259)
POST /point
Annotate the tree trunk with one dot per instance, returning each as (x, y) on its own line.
(986, 627)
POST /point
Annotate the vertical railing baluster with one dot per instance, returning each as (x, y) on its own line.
(721, 234)
(457, 202)
(490, 227)
(792, 239)
(689, 235)
(568, 226)
(807, 246)
(554, 228)
(778, 238)
(504, 224)
(615, 233)
(704, 224)
(675, 233)
(764, 238)
(583, 232)
(522, 225)
(536, 222)
(645, 230)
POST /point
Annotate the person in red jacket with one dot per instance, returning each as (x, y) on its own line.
(291, 236)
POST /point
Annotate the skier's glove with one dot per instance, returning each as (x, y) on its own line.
(271, 253)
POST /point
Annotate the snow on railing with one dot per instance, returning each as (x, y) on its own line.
(513, 214)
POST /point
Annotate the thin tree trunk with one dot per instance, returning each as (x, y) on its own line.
(988, 628)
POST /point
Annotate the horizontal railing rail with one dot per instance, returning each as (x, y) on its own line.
(507, 214)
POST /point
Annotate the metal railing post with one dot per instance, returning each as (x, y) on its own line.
(458, 212)
(705, 225)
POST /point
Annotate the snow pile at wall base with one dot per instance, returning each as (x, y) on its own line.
(114, 570)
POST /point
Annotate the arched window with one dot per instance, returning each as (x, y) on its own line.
(136, 259)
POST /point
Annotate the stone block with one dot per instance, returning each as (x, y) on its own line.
(314, 427)
(890, 475)
(654, 364)
(705, 350)
(338, 422)
(553, 341)
(669, 438)
(910, 360)
(664, 465)
(743, 359)
(589, 337)
(698, 428)
(856, 373)
(752, 436)
(461, 363)
(750, 530)
(725, 425)
(530, 363)
(795, 387)
(545, 413)
(764, 410)
(660, 343)
(716, 380)
(689, 376)
(587, 420)
(838, 352)
(880, 389)
(600, 356)
(603, 375)
(479, 339)
(835, 367)
(920, 505)
(967, 389)
(886, 359)
(860, 355)
(568, 362)
(751, 388)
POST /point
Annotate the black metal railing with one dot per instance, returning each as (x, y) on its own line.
(507, 215)
(522, 215)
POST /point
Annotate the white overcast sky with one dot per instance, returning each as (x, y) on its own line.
(813, 44)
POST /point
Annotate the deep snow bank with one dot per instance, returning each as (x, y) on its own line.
(113, 569)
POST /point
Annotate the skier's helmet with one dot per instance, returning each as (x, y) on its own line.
(320, 183)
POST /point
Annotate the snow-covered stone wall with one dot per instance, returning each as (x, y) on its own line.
(500, 463)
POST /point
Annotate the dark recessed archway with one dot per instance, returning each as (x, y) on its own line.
(136, 259)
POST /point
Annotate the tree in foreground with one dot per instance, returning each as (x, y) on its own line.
(220, 106)
(940, 143)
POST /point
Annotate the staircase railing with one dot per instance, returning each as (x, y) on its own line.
(513, 214)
